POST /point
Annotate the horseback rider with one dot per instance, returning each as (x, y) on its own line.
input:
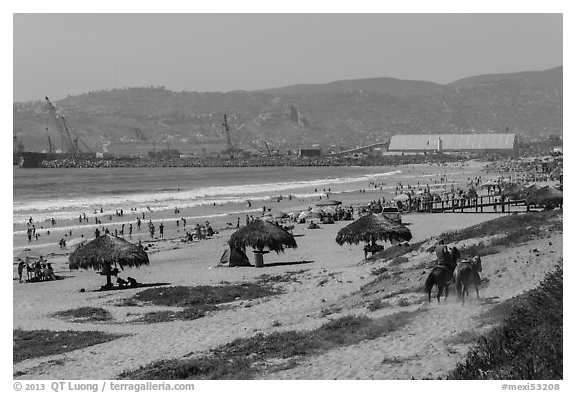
(442, 253)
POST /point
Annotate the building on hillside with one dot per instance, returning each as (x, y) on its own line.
(310, 153)
(448, 143)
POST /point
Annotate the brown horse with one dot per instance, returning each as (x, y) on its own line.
(466, 274)
(441, 275)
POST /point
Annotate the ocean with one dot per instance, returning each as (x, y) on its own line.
(65, 194)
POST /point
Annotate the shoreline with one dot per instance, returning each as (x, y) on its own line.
(222, 214)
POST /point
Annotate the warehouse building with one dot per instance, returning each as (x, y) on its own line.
(447, 143)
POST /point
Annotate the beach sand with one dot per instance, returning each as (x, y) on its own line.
(328, 277)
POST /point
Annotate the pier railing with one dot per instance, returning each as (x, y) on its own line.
(480, 204)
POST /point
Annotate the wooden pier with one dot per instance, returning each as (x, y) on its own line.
(481, 204)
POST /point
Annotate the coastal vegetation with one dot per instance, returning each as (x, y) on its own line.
(195, 301)
(245, 358)
(30, 344)
(85, 314)
(528, 345)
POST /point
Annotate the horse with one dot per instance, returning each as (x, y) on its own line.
(466, 274)
(441, 275)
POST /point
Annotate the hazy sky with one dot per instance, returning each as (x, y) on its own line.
(60, 54)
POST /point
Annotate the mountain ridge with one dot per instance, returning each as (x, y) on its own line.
(336, 114)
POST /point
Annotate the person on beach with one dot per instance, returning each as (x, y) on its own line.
(130, 231)
(198, 232)
(238, 223)
(49, 272)
(161, 230)
(29, 269)
(96, 233)
(20, 270)
(183, 222)
(121, 282)
(138, 222)
(441, 252)
(152, 230)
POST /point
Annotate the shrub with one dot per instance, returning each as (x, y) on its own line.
(529, 343)
(85, 314)
(30, 344)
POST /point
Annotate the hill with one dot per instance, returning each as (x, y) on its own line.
(338, 114)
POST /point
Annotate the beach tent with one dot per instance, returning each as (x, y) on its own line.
(234, 257)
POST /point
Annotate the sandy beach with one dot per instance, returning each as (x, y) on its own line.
(326, 284)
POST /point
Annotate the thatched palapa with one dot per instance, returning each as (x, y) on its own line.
(259, 235)
(512, 190)
(372, 227)
(105, 251)
(546, 196)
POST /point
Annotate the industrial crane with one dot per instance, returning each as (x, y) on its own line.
(70, 145)
(228, 139)
(50, 145)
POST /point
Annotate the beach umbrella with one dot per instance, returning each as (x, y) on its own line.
(293, 215)
(303, 215)
(548, 196)
(372, 227)
(259, 235)
(329, 210)
(105, 251)
(512, 190)
(489, 184)
(401, 198)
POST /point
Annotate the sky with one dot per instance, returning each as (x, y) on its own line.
(57, 55)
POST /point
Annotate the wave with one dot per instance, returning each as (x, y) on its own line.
(70, 208)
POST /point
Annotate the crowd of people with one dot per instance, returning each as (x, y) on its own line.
(38, 271)
(529, 170)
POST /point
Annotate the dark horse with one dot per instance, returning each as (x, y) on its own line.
(441, 275)
(466, 274)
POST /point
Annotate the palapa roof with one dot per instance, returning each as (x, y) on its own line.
(107, 250)
(260, 234)
(372, 226)
(546, 196)
(512, 189)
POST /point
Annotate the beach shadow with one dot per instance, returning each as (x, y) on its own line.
(299, 235)
(287, 263)
(34, 281)
(157, 284)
